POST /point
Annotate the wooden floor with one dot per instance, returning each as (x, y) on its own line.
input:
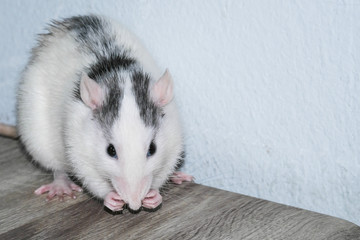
(189, 211)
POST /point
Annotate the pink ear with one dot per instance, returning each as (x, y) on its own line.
(90, 92)
(162, 91)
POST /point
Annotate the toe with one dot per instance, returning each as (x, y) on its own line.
(75, 187)
(42, 189)
(151, 193)
(114, 205)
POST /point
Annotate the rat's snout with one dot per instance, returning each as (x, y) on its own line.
(134, 197)
(132, 192)
(134, 204)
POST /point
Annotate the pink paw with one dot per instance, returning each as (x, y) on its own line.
(114, 202)
(179, 177)
(59, 187)
(152, 200)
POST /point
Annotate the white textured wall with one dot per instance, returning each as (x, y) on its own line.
(269, 90)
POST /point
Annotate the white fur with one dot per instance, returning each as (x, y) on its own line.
(59, 133)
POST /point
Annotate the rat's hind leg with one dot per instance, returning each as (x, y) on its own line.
(179, 177)
(61, 186)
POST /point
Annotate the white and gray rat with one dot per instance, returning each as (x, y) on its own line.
(92, 102)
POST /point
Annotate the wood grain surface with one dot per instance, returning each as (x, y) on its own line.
(189, 211)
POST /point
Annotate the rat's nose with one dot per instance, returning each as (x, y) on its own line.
(134, 206)
(134, 201)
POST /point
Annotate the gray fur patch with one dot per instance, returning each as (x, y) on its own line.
(150, 113)
(92, 32)
(110, 109)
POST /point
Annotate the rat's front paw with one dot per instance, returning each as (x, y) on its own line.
(114, 202)
(152, 200)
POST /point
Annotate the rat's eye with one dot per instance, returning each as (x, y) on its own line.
(111, 151)
(152, 149)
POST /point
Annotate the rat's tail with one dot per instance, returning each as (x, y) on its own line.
(8, 131)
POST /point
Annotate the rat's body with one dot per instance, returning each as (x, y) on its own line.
(93, 102)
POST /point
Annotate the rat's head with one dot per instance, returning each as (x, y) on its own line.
(127, 109)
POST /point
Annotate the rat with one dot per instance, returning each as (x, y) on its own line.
(92, 102)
